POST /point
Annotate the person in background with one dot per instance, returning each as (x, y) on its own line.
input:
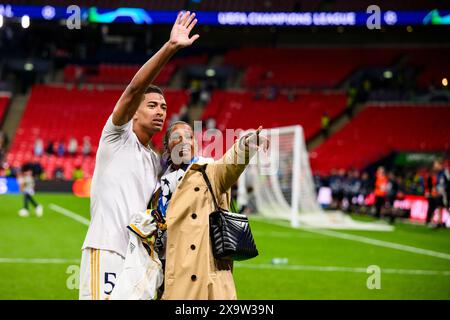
(73, 146)
(436, 193)
(58, 174)
(87, 146)
(11, 171)
(340, 190)
(335, 184)
(78, 173)
(26, 184)
(4, 140)
(291, 95)
(183, 113)
(50, 149)
(250, 206)
(60, 149)
(318, 183)
(355, 189)
(351, 100)
(401, 190)
(447, 188)
(271, 93)
(194, 91)
(346, 188)
(417, 184)
(3, 144)
(364, 191)
(391, 193)
(37, 169)
(442, 182)
(325, 124)
(210, 123)
(381, 182)
(2, 154)
(38, 147)
(34, 166)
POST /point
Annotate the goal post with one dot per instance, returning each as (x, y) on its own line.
(280, 182)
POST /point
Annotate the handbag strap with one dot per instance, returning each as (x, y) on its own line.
(208, 183)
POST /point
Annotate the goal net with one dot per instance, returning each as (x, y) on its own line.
(278, 184)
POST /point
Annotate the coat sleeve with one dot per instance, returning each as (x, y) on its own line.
(227, 170)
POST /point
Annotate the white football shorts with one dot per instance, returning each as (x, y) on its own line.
(99, 272)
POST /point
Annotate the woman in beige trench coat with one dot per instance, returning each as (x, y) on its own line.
(191, 271)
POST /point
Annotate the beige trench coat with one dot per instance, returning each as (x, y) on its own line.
(191, 272)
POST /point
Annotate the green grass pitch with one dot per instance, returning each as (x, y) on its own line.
(319, 266)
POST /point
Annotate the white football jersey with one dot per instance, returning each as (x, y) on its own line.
(125, 177)
(27, 183)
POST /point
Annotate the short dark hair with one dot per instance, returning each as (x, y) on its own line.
(154, 89)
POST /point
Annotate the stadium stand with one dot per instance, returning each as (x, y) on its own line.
(381, 129)
(4, 101)
(122, 73)
(264, 69)
(328, 67)
(305, 67)
(57, 113)
(431, 65)
(233, 110)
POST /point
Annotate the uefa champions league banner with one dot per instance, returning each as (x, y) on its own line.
(289, 19)
(9, 185)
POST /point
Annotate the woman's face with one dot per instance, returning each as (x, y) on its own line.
(181, 144)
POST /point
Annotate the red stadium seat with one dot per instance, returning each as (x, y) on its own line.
(304, 67)
(56, 113)
(123, 73)
(234, 110)
(4, 101)
(328, 67)
(377, 131)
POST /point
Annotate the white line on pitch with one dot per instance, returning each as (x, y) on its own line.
(69, 214)
(382, 243)
(341, 269)
(252, 266)
(375, 242)
(274, 234)
(39, 261)
(329, 233)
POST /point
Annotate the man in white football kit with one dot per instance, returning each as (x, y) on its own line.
(126, 171)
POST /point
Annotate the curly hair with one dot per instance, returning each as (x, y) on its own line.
(167, 161)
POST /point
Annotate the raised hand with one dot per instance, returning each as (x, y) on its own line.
(254, 141)
(179, 36)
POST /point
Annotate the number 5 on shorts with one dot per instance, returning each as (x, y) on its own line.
(107, 281)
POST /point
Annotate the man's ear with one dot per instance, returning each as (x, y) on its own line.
(135, 116)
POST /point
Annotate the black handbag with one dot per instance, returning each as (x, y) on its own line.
(230, 232)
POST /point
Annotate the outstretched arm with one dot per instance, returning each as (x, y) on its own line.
(131, 97)
(228, 169)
